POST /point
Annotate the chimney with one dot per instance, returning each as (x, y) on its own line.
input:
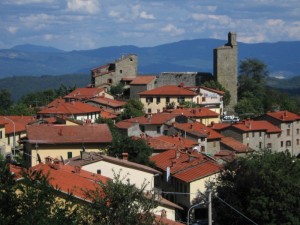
(48, 160)
(177, 154)
(163, 213)
(125, 156)
(191, 126)
(173, 162)
(77, 169)
(56, 165)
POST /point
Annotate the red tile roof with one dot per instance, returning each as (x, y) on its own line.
(284, 116)
(252, 125)
(85, 93)
(184, 166)
(65, 178)
(196, 112)
(196, 88)
(234, 145)
(142, 80)
(198, 129)
(158, 144)
(180, 142)
(165, 221)
(48, 134)
(18, 125)
(156, 118)
(169, 90)
(124, 124)
(219, 126)
(108, 102)
(59, 106)
(107, 114)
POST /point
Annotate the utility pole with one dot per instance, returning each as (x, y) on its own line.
(209, 206)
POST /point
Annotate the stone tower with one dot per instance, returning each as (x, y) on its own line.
(226, 68)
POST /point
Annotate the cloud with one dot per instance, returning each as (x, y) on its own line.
(85, 6)
(172, 29)
(145, 15)
(25, 2)
(12, 30)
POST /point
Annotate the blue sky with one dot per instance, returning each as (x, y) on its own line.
(89, 24)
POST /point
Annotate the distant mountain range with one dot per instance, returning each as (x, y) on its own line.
(282, 58)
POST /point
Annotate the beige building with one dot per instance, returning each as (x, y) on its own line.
(61, 141)
(256, 135)
(289, 124)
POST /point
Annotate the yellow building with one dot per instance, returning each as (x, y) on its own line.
(61, 141)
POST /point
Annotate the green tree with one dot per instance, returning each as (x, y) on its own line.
(119, 202)
(20, 109)
(5, 101)
(117, 90)
(264, 186)
(133, 108)
(217, 86)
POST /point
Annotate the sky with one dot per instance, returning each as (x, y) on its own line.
(90, 24)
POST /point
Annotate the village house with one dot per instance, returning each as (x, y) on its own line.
(140, 84)
(135, 173)
(184, 172)
(107, 104)
(289, 124)
(61, 141)
(203, 115)
(12, 129)
(173, 96)
(112, 73)
(255, 135)
(208, 140)
(150, 124)
(84, 94)
(74, 109)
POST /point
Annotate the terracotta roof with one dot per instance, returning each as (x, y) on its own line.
(195, 88)
(219, 126)
(196, 112)
(96, 157)
(108, 102)
(85, 93)
(18, 125)
(185, 166)
(284, 116)
(107, 114)
(158, 144)
(234, 144)
(155, 118)
(67, 179)
(198, 129)
(253, 125)
(128, 78)
(48, 134)
(165, 221)
(169, 90)
(59, 106)
(124, 124)
(180, 142)
(142, 80)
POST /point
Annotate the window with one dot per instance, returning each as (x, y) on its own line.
(297, 131)
(253, 134)
(1, 134)
(288, 143)
(98, 171)
(260, 144)
(247, 135)
(109, 81)
(157, 100)
(203, 99)
(281, 144)
(260, 134)
(269, 145)
(69, 155)
(149, 100)
(297, 141)
(158, 129)
(167, 99)
(149, 110)
(8, 140)
(121, 71)
(180, 99)
(142, 127)
(288, 132)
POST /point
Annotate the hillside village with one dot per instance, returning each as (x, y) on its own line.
(190, 144)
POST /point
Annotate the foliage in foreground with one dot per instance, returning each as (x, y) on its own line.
(263, 186)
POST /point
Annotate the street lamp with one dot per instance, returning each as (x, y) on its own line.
(14, 139)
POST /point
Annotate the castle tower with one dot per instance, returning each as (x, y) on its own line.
(226, 68)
